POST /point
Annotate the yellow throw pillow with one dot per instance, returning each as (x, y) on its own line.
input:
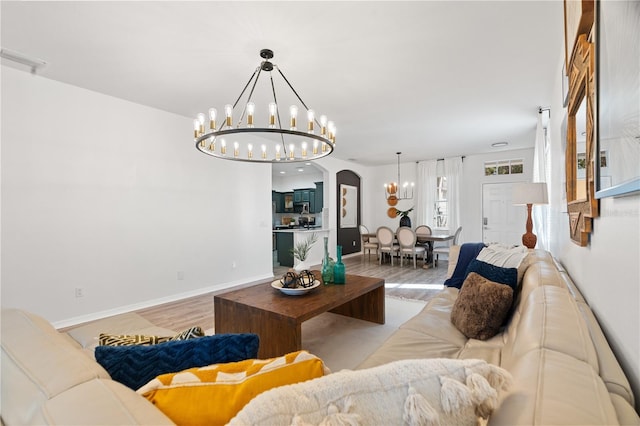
(213, 395)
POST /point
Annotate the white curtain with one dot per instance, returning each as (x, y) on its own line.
(453, 173)
(426, 197)
(541, 213)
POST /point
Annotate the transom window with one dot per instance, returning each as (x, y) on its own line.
(503, 167)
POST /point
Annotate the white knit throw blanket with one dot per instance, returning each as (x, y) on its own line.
(411, 392)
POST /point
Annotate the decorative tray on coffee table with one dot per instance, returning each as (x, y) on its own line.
(298, 291)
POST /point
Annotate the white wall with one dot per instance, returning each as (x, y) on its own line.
(111, 197)
(386, 174)
(288, 183)
(607, 271)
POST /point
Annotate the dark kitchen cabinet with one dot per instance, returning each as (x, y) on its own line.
(278, 201)
(318, 195)
(284, 244)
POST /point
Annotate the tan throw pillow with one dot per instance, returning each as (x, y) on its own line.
(481, 307)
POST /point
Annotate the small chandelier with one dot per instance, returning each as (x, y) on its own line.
(393, 192)
(245, 141)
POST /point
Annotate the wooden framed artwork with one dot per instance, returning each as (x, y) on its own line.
(580, 160)
(348, 206)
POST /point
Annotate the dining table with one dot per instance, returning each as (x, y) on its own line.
(424, 239)
(429, 239)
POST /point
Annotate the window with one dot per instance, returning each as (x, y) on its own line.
(440, 205)
(503, 167)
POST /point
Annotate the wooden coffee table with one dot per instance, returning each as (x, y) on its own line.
(277, 318)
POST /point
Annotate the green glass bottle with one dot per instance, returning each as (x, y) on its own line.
(327, 264)
(338, 269)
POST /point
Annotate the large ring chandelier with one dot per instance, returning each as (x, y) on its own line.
(273, 143)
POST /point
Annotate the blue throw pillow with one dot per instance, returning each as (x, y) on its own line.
(508, 276)
(135, 366)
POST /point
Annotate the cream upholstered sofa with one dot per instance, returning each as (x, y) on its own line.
(51, 378)
(563, 370)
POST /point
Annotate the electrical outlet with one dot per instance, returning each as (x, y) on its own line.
(79, 292)
(354, 243)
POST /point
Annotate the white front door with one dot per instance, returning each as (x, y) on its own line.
(502, 222)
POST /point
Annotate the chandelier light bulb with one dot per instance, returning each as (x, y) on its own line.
(251, 108)
(264, 151)
(201, 119)
(249, 151)
(304, 149)
(223, 147)
(196, 128)
(293, 111)
(278, 152)
(332, 131)
(273, 109)
(212, 118)
(212, 144)
(291, 151)
(311, 115)
(323, 125)
(236, 145)
(315, 147)
(228, 111)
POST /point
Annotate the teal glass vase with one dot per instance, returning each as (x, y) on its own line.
(339, 269)
(327, 264)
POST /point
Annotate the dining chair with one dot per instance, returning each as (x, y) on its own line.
(368, 243)
(445, 250)
(422, 230)
(407, 245)
(385, 237)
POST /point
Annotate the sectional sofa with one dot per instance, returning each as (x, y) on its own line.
(561, 368)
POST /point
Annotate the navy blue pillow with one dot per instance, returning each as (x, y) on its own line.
(508, 276)
(135, 366)
(468, 252)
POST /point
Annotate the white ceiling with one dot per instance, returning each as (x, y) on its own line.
(430, 79)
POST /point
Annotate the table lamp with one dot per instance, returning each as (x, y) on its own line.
(529, 194)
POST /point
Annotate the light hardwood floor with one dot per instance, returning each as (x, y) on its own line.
(402, 282)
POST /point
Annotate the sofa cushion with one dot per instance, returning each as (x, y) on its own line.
(38, 363)
(418, 391)
(429, 334)
(508, 276)
(481, 307)
(141, 339)
(134, 366)
(104, 402)
(214, 394)
(553, 388)
(550, 319)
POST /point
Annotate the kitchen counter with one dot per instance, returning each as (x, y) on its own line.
(287, 238)
(315, 228)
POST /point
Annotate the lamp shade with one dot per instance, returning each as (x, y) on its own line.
(530, 193)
